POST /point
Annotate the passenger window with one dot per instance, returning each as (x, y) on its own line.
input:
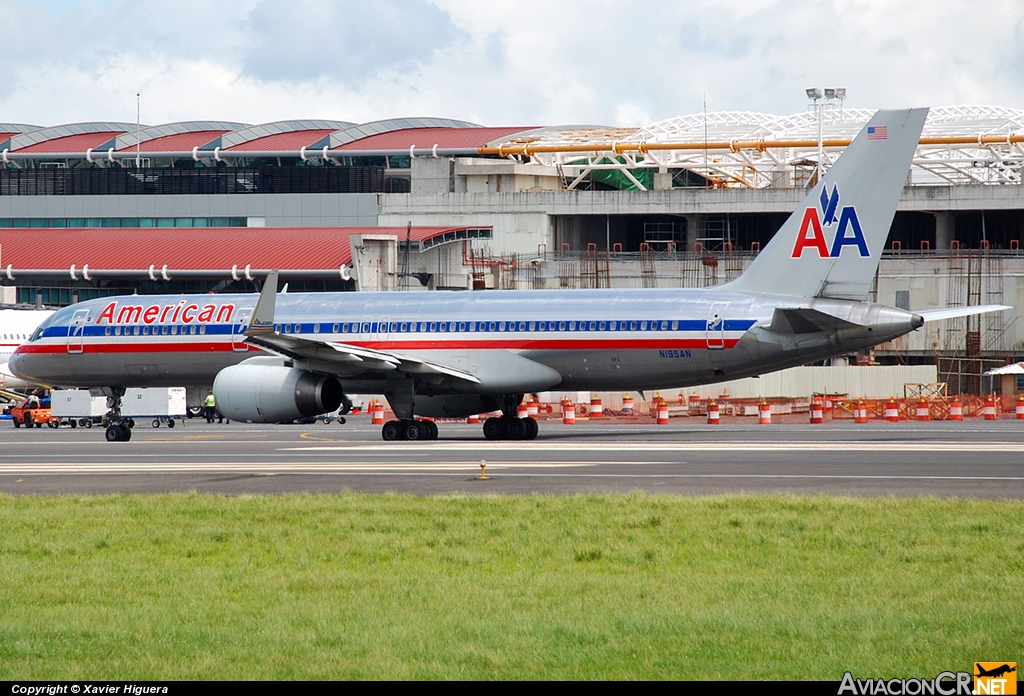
(316, 328)
(632, 326)
(561, 326)
(202, 329)
(106, 332)
(675, 325)
(602, 326)
(491, 327)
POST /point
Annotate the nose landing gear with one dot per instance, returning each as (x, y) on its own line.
(119, 429)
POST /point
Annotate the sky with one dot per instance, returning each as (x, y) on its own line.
(496, 63)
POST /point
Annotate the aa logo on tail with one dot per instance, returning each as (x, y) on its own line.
(846, 228)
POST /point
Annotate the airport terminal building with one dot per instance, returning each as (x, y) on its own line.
(415, 204)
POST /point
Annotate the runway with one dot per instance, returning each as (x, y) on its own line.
(982, 459)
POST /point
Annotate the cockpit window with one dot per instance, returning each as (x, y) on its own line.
(37, 334)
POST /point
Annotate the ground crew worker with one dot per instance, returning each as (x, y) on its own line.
(211, 406)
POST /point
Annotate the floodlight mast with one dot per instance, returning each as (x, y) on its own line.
(815, 94)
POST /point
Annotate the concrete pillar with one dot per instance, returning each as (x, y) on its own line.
(692, 224)
(662, 180)
(945, 228)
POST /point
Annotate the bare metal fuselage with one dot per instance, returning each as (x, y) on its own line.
(588, 339)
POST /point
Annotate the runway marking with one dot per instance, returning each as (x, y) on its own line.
(285, 467)
(834, 446)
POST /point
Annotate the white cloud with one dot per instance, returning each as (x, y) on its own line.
(497, 63)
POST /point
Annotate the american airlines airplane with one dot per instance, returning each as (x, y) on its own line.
(16, 325)
(278, 357)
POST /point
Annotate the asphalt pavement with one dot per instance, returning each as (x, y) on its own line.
(975, 458)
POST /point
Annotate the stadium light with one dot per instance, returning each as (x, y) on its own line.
(814, 93)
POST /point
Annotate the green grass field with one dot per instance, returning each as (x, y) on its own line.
(601, 586)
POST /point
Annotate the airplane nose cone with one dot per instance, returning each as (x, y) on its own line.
(17, 364)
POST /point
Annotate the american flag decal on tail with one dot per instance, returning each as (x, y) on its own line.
(878, 132)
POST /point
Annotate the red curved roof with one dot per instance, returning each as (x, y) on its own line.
(72, 143)
(426, 138)
(178, 142)
(189, 248)
(292, 140)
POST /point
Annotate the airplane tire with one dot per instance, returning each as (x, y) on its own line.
(113, 433)
(391, 431)
(127, 433)
(515, 429)
(493, 429)
(432, 430)
(413, 430)
(531, 428)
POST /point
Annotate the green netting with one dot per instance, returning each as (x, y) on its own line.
(617, 179)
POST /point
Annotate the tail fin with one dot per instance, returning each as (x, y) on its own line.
(831, 244)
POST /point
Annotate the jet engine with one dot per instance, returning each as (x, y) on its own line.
(273, 393)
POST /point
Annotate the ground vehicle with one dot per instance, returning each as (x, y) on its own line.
(31, 411)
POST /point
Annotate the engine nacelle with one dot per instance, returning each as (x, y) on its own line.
(273, 393)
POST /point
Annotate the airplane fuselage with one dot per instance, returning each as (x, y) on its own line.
(593, 339)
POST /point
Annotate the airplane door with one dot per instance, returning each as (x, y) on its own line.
(716, 325)
(238, 343)
(76, 331)
(365, 326)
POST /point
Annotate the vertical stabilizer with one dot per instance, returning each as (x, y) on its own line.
(831, 244)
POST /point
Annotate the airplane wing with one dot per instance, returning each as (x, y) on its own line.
(954, 312)
(348, 358)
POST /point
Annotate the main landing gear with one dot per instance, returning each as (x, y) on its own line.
(408, 429)
(510, 428)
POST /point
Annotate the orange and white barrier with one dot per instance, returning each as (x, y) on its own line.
(662, 413)
(1020, 407)
(694, 404)
(956, 409)
(521, 411)
(473, 419)
(531, 409)
(817, 416)
(596, 407)
(764, 413)
(378, 414)
(713, 413)
(990, 408)
(892, 411)
(568, 413)
(922, 411)
(627, 404)
(860, 412)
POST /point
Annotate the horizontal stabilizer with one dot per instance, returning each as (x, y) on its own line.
(802, 320)
(954, 312)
